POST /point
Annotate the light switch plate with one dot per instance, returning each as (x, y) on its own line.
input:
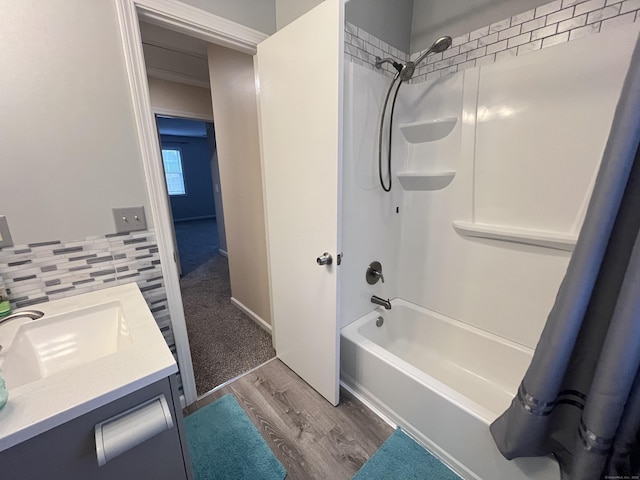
(5, 235)
(129, 219)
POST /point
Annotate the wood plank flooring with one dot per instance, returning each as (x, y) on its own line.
(310, 437)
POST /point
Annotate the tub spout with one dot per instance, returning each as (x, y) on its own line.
(381, 301)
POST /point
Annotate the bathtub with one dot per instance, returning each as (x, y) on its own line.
(443, 382)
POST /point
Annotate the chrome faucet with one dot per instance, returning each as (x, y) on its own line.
(32, 314)
(381, 301)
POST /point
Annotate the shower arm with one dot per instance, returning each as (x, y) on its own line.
(379, 61)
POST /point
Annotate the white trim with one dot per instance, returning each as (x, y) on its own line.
(169, 112)
(177, 77)
(251, 314)
(237, 377)
(223, 253)
(183, 402)
(194, 22)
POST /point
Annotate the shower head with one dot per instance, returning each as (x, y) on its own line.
(439, 46)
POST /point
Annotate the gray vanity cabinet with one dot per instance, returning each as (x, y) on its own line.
(68, 452)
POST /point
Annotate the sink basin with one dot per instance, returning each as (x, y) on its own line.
(61, 342)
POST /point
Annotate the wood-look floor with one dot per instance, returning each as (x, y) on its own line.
(310, 437)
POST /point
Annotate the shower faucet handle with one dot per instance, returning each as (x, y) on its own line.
(374, 273)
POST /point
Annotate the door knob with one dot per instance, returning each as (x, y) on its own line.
(325, 259)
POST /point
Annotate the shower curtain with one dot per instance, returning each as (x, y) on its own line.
(580, 397)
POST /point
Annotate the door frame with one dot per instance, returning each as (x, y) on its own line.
(182, 18)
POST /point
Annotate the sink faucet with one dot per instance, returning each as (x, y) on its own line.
(32, 314)
(381, 301)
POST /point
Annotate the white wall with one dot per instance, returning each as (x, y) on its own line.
(235, 109)
(389, 20)
(434, 18)
(64, 98)
(288, 10)
(259, 15)
(178, 98)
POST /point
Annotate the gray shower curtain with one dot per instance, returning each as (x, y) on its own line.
(580, 397)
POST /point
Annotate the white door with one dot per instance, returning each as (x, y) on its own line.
(300, 83)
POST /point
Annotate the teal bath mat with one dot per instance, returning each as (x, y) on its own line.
(399, 457)
(225, 445)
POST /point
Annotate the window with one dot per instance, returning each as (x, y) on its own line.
(173, 171)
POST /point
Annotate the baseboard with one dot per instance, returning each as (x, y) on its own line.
(188, 219)
(223, 253)
(253, 316)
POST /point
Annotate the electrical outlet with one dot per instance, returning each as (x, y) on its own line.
(5, 235)
(129, 219)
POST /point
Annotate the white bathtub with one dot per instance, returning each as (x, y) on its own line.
(443, 382)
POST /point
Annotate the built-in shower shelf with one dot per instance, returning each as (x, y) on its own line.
(428, 130)
(425, 181)
(558, 241)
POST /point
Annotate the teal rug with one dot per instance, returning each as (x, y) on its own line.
(399, 457)
(225, 445)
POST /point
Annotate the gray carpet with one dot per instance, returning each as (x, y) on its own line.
(224, 342)
(197, 242)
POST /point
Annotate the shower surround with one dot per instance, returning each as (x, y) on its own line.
(493, 165)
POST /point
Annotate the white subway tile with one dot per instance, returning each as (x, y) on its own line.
(568, 3)
(530, 47)
(611, 2)
(352, 50)
(378, 53)
(630, 5)
(511, 52)
(384, 46)
(352, 29)
(560, 15)
(499, 26)
(358, 42)
(363, 34)
(451, 52)
(486, 60)
(523, 17)
(555, 40)
(619, 21)
(572, 23)
(460, 40)
(369, 48)
(449, 70)
(584, 31)
(544, 32)
(533, 24)
(519, 40)
(548, 8)
(509, 32)
(488, 40)
(460, 58)
(479, 52)
(496, 47)
(433, 75)
(588, 6)
(436, 57)
(604, 13)
(480, 32)
(468, 46)
(443, 64)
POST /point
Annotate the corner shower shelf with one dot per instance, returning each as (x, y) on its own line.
(428, 130)
(425, 181)
(558, 241)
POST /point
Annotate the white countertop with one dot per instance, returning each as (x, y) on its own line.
(39, 406)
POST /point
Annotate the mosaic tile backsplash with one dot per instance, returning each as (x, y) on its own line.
(39, 272)
(556, 22)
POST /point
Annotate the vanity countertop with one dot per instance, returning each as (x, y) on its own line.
(48, 402)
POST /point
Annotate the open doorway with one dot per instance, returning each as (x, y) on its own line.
(224, 342)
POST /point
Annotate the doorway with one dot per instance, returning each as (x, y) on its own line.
(224, 342)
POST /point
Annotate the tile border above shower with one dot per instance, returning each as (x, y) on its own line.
(556, 22)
